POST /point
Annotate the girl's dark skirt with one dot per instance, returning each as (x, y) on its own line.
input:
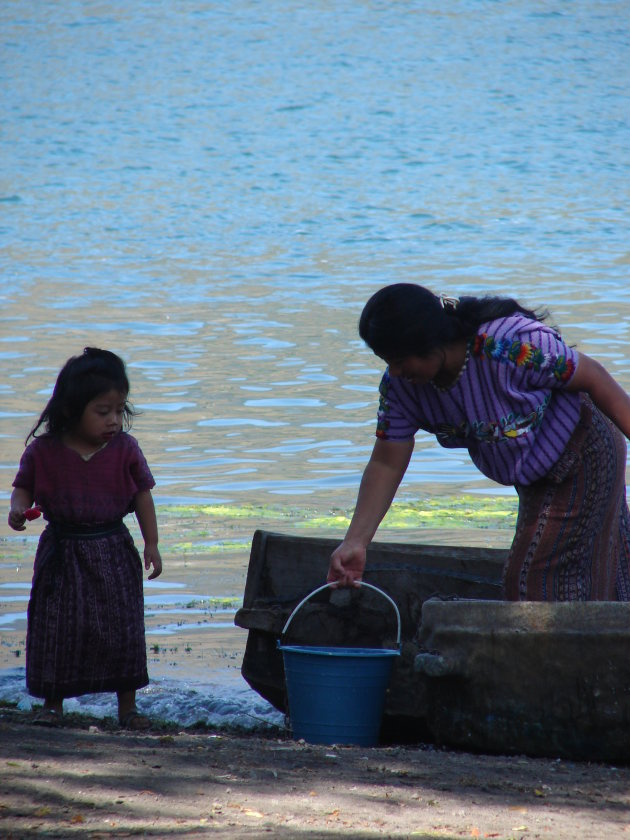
(572, 540)
(85, 631)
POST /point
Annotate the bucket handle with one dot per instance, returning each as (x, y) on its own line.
(328, 585)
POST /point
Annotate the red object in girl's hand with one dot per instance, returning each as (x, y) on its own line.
(33, 513)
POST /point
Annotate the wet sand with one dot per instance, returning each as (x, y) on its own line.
(89, 779)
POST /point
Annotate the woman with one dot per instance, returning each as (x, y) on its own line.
(489, 375)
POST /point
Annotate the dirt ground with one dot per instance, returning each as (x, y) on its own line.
(88, 779)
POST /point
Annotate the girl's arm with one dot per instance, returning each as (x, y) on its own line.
(593, 378)
(382, 475)
(21, 500)
(145, 513)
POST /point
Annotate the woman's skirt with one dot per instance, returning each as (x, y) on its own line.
(85, 631)
(572, 540)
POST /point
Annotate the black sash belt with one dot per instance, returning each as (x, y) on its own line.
(65, 531)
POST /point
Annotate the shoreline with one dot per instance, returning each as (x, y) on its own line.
(89, 778)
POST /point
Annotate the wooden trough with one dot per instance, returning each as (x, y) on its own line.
(283, 569)
(475, 672)
(547, 679)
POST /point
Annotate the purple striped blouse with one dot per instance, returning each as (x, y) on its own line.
(508, 408)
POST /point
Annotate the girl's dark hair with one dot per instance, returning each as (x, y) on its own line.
(405, 319)
(82, 379)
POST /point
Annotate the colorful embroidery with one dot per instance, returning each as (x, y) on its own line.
(522, 353)
(448, 432)
(489, 431)
(382, 423)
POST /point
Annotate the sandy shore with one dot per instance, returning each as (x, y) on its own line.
(89, 779)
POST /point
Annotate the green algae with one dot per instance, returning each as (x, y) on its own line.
(228, 529)
(15, 550)
(452, 512)
(214, 547)
(246, 511)
(214, 604)
(210, 606)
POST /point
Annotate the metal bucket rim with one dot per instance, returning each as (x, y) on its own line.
(331, 585)
(315, 650)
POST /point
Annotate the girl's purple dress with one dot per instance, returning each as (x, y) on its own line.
(85, 631)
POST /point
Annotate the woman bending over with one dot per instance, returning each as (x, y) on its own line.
(489, 375)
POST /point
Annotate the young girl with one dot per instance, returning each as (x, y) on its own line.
(85, 631)
(489, 375)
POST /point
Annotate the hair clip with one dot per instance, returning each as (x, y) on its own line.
(449, 301)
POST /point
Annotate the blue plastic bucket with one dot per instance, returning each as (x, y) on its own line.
(336, 695)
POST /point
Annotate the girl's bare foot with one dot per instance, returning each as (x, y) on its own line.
(50, 714)
(128, 715)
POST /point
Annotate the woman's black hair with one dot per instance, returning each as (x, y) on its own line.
(405, 319)
(82, 379)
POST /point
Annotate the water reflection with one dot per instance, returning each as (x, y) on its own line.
(216, 203)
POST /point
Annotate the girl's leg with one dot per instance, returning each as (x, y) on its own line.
(128, 714)
(126, 703)
(51, 713)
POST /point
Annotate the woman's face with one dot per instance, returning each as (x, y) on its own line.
(419, 370)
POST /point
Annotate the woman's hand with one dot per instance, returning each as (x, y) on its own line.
(347, 563)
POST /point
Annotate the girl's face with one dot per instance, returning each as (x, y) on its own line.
(419, 370)
(102, 419)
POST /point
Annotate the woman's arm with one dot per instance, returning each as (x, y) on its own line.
(383, 473)
(145, 512)
(593, 378)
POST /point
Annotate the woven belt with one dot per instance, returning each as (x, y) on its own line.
(65, 531)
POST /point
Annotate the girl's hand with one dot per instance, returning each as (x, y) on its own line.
(145, 511)
(347, 563)
(21, 500)
(153, 558)
(17, 519)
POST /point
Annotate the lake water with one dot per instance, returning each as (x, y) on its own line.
(213, 190)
